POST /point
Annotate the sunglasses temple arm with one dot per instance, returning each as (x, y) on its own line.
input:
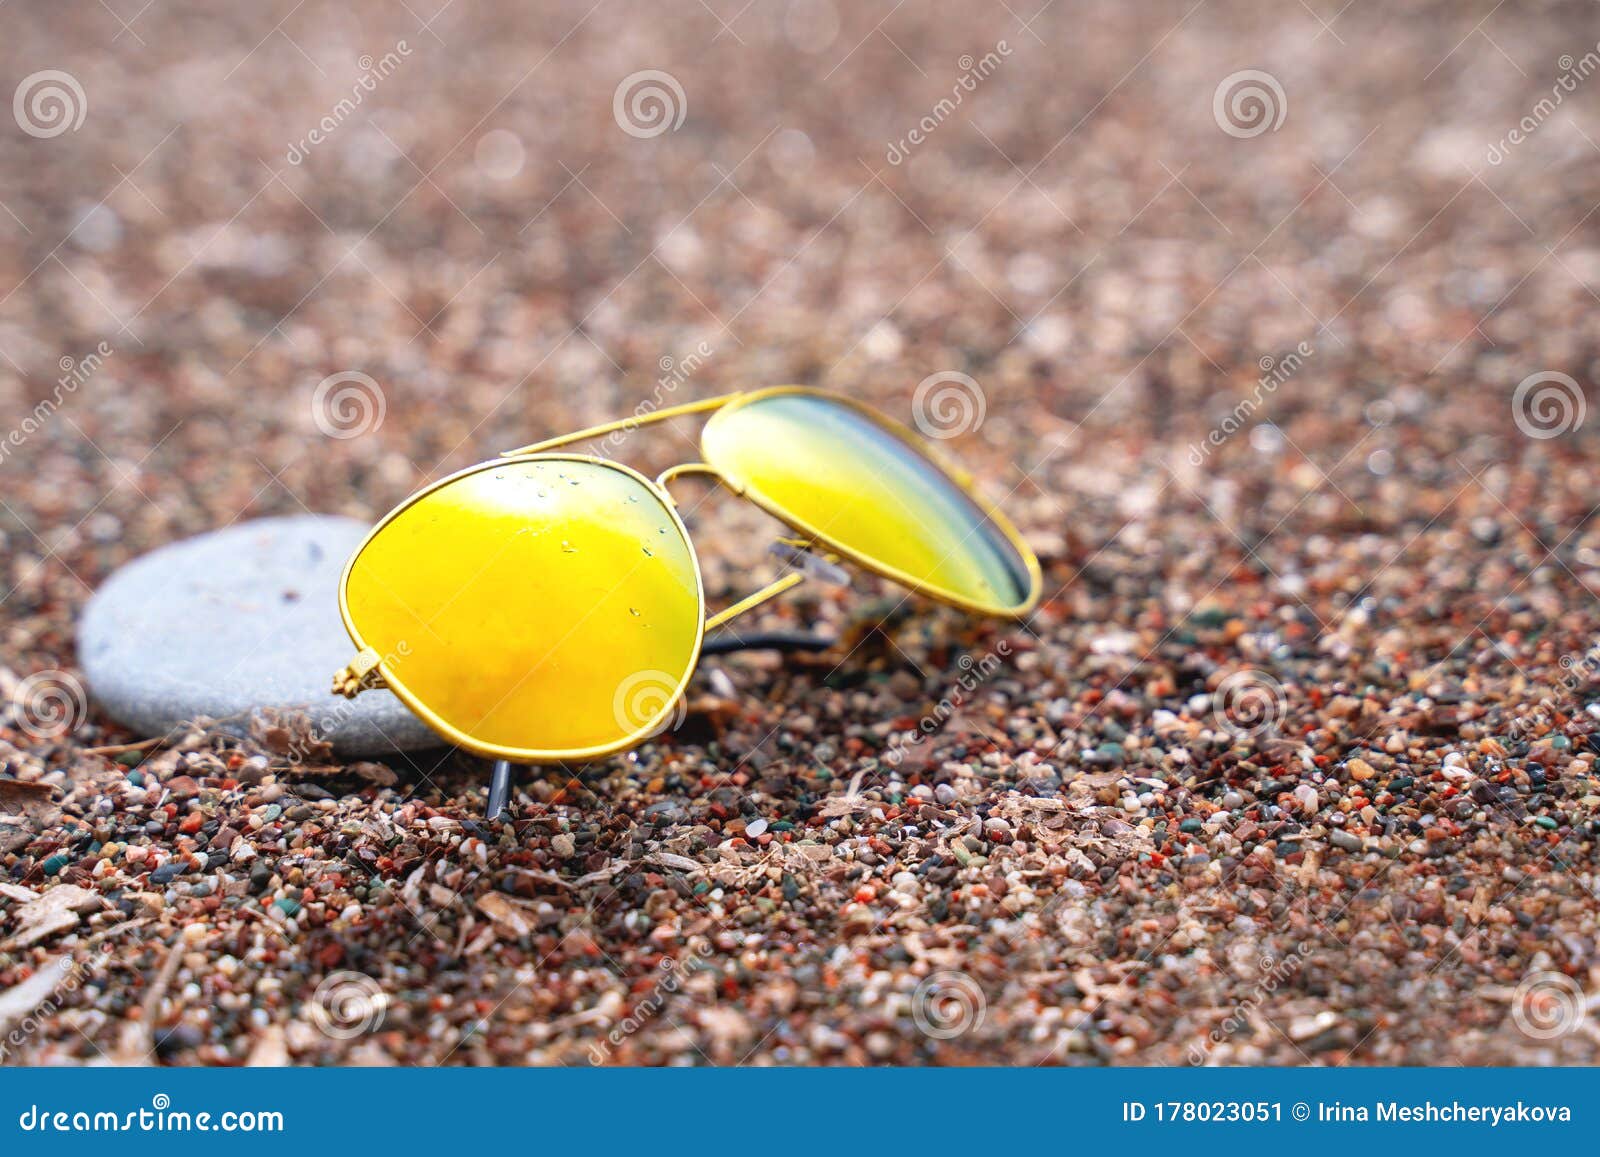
(750, 602)
(623, 424)
(784, 642)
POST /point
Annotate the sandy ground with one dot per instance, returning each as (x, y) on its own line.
(1294, 763)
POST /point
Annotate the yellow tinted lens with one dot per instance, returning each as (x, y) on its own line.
(535, 607)
(833, 471)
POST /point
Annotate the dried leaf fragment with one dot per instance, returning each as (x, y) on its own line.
(55, 910)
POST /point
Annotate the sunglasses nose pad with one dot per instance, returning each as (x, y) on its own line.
(798, 554)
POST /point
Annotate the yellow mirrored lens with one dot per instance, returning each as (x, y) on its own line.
(829, 469)
(536, 608)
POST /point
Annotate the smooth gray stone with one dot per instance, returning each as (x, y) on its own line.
(234, 621)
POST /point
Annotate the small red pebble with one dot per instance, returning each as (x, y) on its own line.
(865, 894)
(191, 823)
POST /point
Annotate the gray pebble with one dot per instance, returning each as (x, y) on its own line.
(232, 622)
(1346, 840)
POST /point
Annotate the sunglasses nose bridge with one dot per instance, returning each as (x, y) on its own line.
(686, 469)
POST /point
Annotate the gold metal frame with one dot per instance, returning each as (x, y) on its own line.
(964, 482)
(813, 535)
(368, 670)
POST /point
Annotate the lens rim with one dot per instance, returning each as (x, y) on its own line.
(531, 755)
(956, 475)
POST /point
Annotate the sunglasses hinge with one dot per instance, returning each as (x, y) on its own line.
(360, 674)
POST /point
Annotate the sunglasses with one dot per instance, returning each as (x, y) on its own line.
(548, 607)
